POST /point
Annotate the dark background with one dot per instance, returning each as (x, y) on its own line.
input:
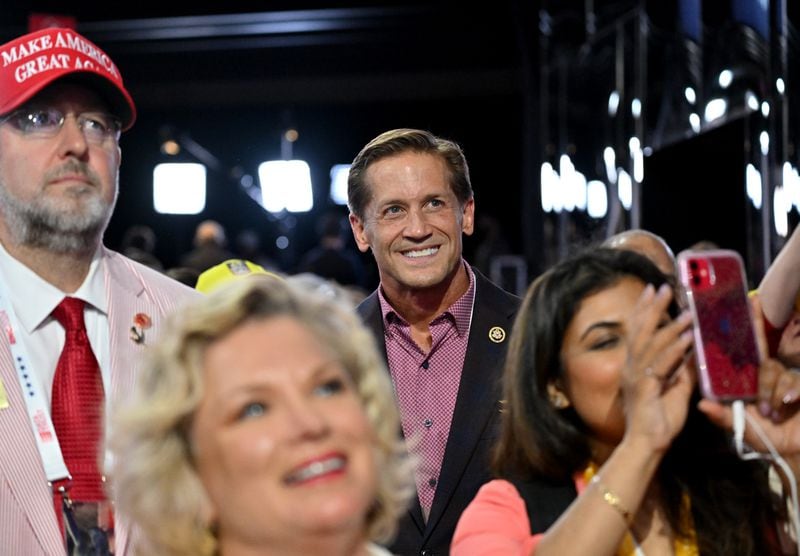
(444, 68)
(232, 77)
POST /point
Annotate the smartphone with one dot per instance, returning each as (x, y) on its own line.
(715, 288)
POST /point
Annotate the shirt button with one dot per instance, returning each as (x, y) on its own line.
(432, 482)
(428, 423)
(425, 364)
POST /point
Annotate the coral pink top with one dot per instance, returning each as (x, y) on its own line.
(496, 522)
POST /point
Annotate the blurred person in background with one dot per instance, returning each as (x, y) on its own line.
(210, 247)
(331, 258)
(250, 247)
(646, 243)
(139, 244)
(349, 295)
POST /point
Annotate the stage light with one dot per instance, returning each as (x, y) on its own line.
(596, 199)
(179, 188)
(625, 189)
(763, 139)
(791, 185)
(170, 147)
(725, 78)
(613, 103)
(610, 160)
(636, 108)
(780, 211)
(694, 122)
(338, 193)
(715, 109)
(753, 185)
(291, 135)
(570, 183)
(750, 100)
(549, 184)
(286, 185)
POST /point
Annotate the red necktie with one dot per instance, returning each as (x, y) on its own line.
(77, 404)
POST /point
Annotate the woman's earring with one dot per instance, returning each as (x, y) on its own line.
(557, 397)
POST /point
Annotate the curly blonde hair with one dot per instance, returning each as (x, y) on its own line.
(153, 478)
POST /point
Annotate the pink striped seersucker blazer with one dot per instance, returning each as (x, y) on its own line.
(27, 520)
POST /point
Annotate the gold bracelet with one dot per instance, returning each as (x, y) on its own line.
(612, 500)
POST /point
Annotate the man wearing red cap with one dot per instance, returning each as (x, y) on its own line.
(75, 317)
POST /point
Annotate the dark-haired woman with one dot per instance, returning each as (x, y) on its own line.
(604, 450)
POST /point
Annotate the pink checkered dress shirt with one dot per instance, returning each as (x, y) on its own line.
(426, 384)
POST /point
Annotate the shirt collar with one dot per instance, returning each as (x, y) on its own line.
(460, 310)
(34, 298)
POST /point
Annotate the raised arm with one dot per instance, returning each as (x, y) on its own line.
(781, 283)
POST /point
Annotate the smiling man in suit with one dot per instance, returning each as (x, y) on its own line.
(75, 316)
(442, 323)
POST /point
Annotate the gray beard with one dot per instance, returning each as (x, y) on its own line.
(43, 224)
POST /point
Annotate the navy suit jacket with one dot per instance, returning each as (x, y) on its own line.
(476, 420)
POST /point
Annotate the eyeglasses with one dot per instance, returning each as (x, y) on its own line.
(98, 128)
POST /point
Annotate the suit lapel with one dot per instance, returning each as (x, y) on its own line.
(124, 293)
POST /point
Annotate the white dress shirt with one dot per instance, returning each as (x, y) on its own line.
(40, 335)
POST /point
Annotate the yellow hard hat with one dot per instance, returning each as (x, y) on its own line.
(224, 272)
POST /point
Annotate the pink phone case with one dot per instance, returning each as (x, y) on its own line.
(725, 340)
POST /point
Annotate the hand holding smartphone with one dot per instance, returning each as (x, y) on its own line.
(727, 355)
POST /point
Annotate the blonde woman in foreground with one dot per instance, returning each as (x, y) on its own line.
(264, 424)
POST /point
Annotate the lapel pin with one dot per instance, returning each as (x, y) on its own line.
(141, 322)
(497, 334)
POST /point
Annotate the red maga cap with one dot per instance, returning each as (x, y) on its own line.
(31, 62)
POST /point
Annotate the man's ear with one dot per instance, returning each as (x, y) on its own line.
(359, 233)
(468, 217)
(557, 397)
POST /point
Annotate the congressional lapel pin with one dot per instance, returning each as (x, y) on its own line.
(141, 322)
(3, 395)
(497, 334)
